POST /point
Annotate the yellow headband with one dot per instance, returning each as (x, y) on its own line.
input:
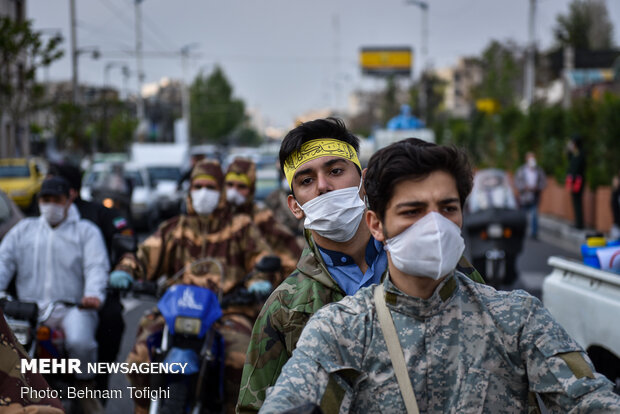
(242, 178)
(204, 177)
(316, 148)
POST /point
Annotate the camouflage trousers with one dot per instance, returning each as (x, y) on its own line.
(236, 330)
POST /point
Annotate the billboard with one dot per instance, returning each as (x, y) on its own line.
(386, 61)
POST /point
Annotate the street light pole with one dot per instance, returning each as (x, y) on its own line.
(74, 54)
(424, 46)
(530, 73)
(140, 73)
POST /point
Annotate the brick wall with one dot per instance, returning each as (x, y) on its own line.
(556, 201)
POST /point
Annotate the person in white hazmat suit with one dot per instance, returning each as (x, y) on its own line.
(59, 257)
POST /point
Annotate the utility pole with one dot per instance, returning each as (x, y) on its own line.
(422, 98)
(530, 72)
(185, 89)
(140, 73)
(74, 54)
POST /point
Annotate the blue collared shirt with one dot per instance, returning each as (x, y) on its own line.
(348, 275)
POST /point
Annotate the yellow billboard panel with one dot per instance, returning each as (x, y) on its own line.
(386, 61)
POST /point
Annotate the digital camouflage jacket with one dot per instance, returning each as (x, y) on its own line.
(284, 316)
(468, 349)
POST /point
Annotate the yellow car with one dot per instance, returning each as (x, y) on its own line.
(21, 179)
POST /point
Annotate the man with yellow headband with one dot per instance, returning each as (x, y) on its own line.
(209, 229)
(320, 162)
(240, 187)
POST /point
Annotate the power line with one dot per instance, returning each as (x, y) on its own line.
(100, 32)
(124, 17)
(154, 29)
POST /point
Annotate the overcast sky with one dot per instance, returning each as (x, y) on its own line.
(285, 57)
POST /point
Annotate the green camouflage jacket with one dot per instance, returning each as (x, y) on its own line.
(468, 349)
(284, 316)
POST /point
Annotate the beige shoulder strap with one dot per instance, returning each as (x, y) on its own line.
(395, 350)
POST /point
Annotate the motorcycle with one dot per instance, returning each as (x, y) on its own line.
(189, 337)
(42, 341)
(495, 227)
(113, 190)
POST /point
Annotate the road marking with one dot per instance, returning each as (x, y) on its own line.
(130, 304)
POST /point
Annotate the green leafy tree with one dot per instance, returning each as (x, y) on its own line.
(390, 107)
(586, 26)
(215, 113)
(502, 73)
(22, 52)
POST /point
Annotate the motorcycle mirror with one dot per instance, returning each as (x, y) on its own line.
(269, 264)
(26, 311)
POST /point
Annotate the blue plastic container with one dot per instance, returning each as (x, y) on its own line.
(589, 253)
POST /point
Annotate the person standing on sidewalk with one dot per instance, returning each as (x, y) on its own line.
(530, 180)
(575, 178)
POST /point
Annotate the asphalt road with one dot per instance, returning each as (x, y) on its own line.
(532, 267)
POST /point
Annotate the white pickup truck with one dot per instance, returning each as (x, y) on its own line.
(586, 302)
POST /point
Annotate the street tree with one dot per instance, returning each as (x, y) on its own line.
(215, 113)
(22, 52)
(585, 26)
(502, 73)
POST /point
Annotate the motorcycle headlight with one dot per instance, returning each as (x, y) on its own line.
(19, 193)
(21, 330)
(108, 202)
(495, 231)
(187, 326)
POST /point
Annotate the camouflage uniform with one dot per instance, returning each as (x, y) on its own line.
(468, 348)
(232, 239)
(281, 240)
(277, 202)
(12, 380)
(284, 316)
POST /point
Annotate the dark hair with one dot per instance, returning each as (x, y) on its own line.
(69, 172)
(413, 158)
(319, 128)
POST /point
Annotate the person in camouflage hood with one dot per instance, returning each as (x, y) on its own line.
(428, 339)
(209, 229)
(240, 187)
(319, 160)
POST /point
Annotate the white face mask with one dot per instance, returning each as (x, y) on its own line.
(430, 247)
(234, 197)
(335, 215)
(52, 212)
(205, 200)
(531, 162)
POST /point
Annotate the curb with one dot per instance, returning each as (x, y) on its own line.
(561, 233)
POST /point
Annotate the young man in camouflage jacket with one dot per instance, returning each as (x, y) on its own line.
(319, 160)
(210, 229)
(428, 339)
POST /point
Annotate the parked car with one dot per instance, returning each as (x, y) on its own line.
(21, 179)
(144, 206)
(10, 214)
(164, 181)
(92, 176)
(267, 181)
